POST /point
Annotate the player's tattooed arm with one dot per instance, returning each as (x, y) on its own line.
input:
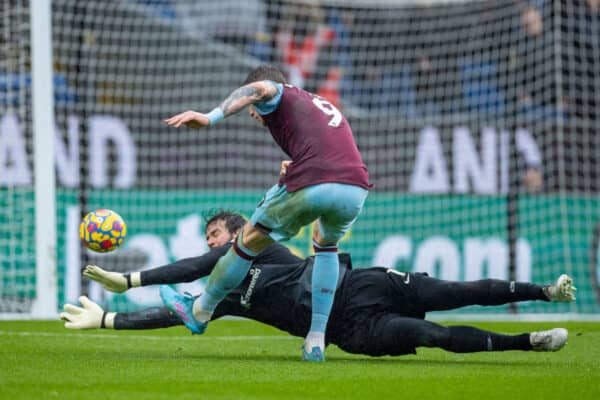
(249, 94)
(255, 92)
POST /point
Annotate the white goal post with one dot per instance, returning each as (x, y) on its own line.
(29, 214)
(45, 304)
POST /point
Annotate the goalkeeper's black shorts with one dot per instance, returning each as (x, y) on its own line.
(369, 298)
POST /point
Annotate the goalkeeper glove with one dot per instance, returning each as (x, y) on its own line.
(91, 316)
(112, 281)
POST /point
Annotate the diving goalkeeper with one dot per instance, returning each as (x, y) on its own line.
(377, 311)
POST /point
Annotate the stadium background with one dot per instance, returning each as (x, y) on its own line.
(453, 104)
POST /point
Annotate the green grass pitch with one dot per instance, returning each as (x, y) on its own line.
(240, 359)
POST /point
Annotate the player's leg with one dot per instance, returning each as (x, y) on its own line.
(228, 273)
(324, 282)
(438, 295)
(396, 335)
(339, 206)
(231, 269)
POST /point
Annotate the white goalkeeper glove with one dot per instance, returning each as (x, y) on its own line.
(91, 316)
(112, 281)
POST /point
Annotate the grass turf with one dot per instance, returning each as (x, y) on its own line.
(246, 360)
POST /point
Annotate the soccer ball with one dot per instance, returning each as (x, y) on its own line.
(102, 231)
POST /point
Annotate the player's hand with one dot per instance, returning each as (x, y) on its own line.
(284, 167)
(88, 317)
(111, 281)
(191, 119)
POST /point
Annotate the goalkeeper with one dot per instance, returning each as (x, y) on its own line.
(377, 311)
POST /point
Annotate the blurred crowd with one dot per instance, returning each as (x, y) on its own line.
(498, 59)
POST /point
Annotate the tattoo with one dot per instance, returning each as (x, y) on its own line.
(239, 99)
(244, 96)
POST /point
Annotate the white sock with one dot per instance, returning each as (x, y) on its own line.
(199, 314)
(315, 339)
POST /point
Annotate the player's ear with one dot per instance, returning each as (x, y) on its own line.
(236, 233)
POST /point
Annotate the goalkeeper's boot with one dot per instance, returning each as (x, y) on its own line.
(552, 340)
(183, 306)
(562, 291)
(315, 354)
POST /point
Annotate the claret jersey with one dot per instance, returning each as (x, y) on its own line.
(316, 137)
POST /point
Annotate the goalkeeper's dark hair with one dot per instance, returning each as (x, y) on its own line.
(265, 72)
(233, 221)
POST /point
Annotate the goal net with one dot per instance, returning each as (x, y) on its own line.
(17, 247)
(477, 121)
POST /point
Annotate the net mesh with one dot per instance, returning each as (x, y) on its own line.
(476, 119)
(17, 252)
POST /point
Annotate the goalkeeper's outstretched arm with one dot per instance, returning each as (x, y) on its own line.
(186, 270)
(92, 316)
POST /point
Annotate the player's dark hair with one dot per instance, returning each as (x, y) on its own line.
(233, 221)
(265, 72)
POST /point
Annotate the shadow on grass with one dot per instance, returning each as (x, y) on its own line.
(190, 354)
(432, 362)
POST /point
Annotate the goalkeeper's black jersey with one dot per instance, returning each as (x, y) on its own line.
(277, 294)
(277, 289)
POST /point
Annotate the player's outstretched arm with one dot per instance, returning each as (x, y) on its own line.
(242, 97)
(191, 119)
(90, 316)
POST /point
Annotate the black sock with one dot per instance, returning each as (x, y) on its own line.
(467, 339)
(510, 291)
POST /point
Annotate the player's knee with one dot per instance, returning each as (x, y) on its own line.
(254, 239)
(320, 240)
(327, 236)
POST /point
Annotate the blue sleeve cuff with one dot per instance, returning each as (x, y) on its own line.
(215, 116)
(270, 105)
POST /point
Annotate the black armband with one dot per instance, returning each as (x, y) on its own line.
(103, 321)
(128, 278)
